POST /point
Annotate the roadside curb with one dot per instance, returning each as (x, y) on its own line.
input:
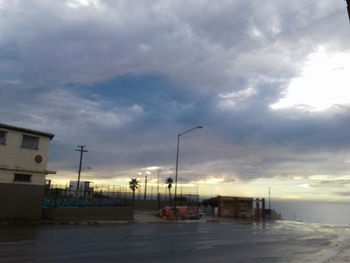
(163, 221)
(66, 222)
(155, 220)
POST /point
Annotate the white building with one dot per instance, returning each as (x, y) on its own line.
(86, 186)
(23, 167)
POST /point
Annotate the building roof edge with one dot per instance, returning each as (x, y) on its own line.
(15, 128)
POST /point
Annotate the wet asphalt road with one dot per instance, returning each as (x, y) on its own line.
(151, 242)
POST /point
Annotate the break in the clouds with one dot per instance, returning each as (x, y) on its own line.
(267, 80)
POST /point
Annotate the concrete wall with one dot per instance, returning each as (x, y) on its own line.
(149, 204)
(20, 201)
(89, 213)
(153, 204)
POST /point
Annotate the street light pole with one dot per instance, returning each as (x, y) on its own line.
(177, 160)
(158, 194)
(176, 169)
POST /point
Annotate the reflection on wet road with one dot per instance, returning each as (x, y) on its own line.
(204, 242)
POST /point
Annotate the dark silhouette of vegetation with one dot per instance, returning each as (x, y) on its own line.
(213, 201)
(134, 184)
(170, 182)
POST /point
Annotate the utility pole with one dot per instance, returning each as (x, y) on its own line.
(158, 194)
(269, 199)
(144, 197)
(82, 150)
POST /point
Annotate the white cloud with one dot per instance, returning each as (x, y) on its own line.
(230, 100)
(322, 84)
(239, 95)
(82, 3)
(255, 33)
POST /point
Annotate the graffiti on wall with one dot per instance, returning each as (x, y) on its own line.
(182, 212)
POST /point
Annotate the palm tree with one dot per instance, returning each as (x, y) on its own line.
(133, 185)
(170, 182)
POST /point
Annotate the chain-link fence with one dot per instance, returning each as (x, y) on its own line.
(88, 194)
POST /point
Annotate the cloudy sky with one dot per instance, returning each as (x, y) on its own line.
(268, 81)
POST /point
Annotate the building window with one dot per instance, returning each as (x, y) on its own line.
(30, 142)
(2, 137)
(22, 178)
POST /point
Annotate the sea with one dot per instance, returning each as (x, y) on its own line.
(333, 213)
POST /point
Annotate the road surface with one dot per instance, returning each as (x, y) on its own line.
(217, 242)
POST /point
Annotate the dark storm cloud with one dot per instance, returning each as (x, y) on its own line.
(332, 183)
(124, 77)
(346, 194)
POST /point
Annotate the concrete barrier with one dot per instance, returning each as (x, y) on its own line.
(89, 213)
(20, 201)
(153, 204)
(149, 204)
